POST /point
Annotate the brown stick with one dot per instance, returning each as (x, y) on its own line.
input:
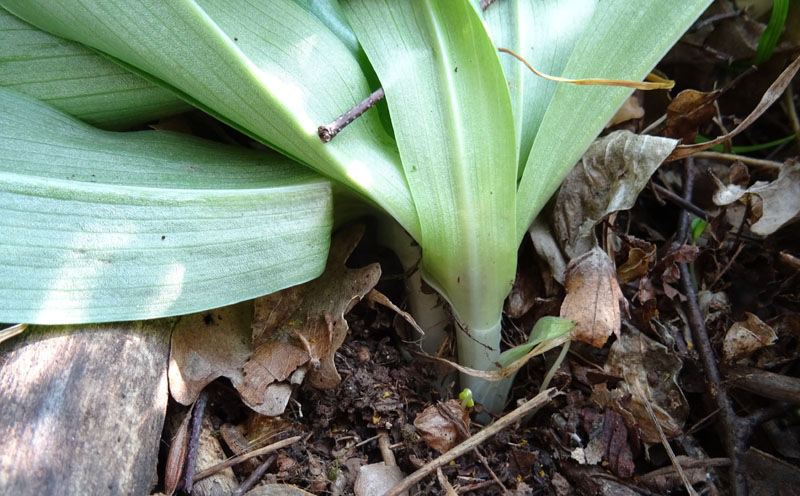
(230, 462)
(532, 404)
(327, 133)
(733, 437)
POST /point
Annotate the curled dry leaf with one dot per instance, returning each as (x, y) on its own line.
(637, 264)
(772, 204)
(649, 371)
(593, 298)
(439, 432)
(690, 110)
(206, 346)
(608, 178)
(303, 327)
(743, 338)
(770, 96)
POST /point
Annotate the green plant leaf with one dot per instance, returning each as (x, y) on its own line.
(77, 80)
(544, 33)
(624, 41)
(272, 70)
(100, 226)
(769, 39)
(452, 119)
(545, 328)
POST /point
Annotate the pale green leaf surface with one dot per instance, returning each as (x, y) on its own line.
(453, 123)
(101, 226)
(544, 32)
(76, 79)
(548, 327)
(272, 70)
(624, 40)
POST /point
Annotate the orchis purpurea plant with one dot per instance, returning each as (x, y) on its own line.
(468, 149)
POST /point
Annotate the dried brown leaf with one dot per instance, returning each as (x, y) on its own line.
(637, 264)
(206, 346)
(631, 109)
(304, 325)
(650, 371)
(439, 432)
(173, 469)
(593, 298)
(743, 338)
(690, 110)
(608, 178)
(772, 94)
(772, 204)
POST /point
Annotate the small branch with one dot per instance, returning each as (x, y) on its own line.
(230, 462)
(462, 429)
(194, 441)
(327, 133)
(536, 402)
(254, 477)
(677, 200)
(486, 3)
(732, 157)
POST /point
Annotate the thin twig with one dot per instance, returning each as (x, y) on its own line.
(668, 448)
(716, 390)
(327, 133)
(714, 385)
(462, 429)
(677, 200)
(486, 3)
(254, 477)
(194, 441)
(471, 442)
(732, 157)
(230, 462)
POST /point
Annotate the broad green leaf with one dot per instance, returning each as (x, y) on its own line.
(76, 79)
(624, 40)
(101, 226)
(272, 70)
(453, 123)
(544, 33)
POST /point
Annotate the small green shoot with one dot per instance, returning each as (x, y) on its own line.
(466, 399)
(698, 228)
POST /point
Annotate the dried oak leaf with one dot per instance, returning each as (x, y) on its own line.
(637, 264)
(743, 338)
(304, 326)
(206, 346)
(593, 298)
(439, 432)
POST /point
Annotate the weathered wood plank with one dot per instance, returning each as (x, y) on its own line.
(82, 408)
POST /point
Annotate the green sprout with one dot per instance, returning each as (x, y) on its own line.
(466, 399)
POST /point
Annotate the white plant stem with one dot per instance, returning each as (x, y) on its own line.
(480, 349)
